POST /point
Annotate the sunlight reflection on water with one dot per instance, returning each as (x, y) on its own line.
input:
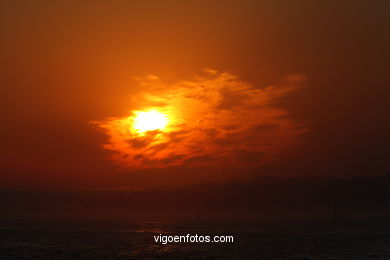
(135, 241)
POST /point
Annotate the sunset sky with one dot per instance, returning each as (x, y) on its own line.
(247, 89)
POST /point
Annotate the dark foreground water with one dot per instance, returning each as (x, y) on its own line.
(134, 240)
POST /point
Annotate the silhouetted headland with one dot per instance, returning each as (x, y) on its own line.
(266, 198)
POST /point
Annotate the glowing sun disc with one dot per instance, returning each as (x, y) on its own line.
(149, 120)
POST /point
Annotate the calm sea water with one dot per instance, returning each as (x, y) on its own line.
(134, 240)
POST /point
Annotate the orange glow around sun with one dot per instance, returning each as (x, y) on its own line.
(215, 119)
(149, 121)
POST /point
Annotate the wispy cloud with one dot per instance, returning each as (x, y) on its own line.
(214, 119)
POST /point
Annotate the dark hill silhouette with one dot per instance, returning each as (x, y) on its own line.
(266, 198)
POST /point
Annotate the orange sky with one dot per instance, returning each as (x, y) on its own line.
(66, 64)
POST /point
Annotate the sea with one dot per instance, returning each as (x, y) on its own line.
(109, 239)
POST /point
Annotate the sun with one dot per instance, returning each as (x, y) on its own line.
(149, 121)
